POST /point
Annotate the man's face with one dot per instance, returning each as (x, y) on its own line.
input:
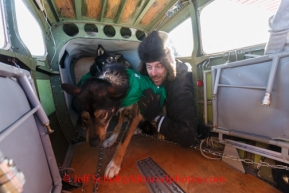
(157, 72)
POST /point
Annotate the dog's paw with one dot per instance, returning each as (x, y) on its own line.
(110, 141)
(111, 170)
(137, 131)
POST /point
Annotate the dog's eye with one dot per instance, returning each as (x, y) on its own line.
(102, 116)
(110, 59)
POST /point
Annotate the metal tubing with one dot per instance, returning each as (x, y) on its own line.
(267, 98)
(251, 137)
(57, 181)
(15, 125)
(272, 74)
(217, 82)
(8, 71)
(32, 84)
(214, 102)
(34, 101)
(241, 135)
(213, 77)
(237, 86)
(242, 62)
(256, 150)
(251, 61)
(205, 96)
(252, 55)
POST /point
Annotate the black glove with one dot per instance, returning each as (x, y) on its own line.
(149, 105)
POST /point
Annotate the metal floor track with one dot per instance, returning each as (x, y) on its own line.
(157, 180)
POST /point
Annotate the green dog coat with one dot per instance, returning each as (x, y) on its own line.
(137, 84)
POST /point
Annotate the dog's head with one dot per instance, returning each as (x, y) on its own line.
(103, 57)
(97, 100)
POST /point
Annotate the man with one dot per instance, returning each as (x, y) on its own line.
(159, 63)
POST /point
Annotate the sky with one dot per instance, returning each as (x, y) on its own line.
(232, 24)
(29, 30)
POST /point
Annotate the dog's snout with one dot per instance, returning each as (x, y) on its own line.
(94, 142)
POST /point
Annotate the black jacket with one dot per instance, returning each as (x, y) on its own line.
(180, 123)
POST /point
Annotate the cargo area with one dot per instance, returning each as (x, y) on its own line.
(176, 161)
(187, 166)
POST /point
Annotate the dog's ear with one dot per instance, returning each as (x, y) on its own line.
(70, 89)
(100, 51)
(127, 65)
(117, 91)
(118, 56)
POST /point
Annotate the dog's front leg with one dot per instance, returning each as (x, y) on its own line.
(113, 167)
(112, 139)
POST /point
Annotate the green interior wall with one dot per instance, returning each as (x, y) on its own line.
(45, 93)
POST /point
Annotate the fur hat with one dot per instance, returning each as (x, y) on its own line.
(157, 46)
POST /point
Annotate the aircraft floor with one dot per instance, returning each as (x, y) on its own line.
(178, 162)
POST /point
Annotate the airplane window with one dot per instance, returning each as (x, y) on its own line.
(2, 32)
(29, 29)
(182, 37)
(232, 24)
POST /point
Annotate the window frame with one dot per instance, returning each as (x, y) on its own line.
(6, 44)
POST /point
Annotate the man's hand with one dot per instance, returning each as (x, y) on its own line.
(149, 105)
